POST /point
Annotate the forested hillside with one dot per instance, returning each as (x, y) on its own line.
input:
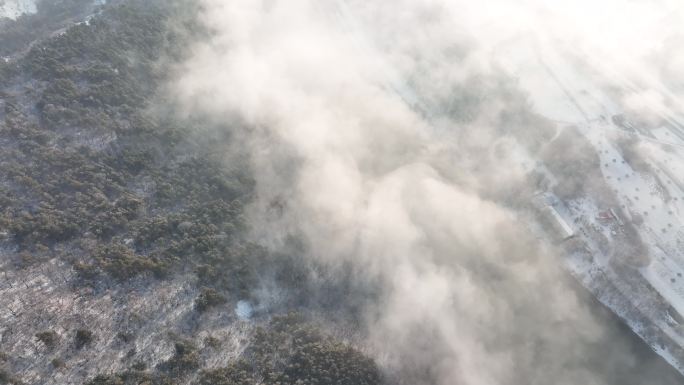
(124, 244)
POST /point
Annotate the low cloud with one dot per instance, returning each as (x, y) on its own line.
(371, 127)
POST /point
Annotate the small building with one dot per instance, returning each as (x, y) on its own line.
(547, 203)
(605, 217)
(562, 227)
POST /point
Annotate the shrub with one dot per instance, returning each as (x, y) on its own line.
(236, 373)
(126, 336)
(139, 366)
(207, 299)
(57, 363)
(83, 337)
(212, 342)
(184, 360)
(8, 378)
(49, 338)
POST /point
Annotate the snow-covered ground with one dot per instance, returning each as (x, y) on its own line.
(650, 195)
(15, 8)
(567, 90)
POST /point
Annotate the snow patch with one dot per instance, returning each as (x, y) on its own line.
(12, 9)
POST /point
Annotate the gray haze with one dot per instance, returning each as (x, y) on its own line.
(371, 126)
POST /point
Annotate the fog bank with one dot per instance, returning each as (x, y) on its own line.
(372, 126)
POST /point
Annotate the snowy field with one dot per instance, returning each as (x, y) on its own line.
(15, 8)
(650, 196)
(570, 91)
